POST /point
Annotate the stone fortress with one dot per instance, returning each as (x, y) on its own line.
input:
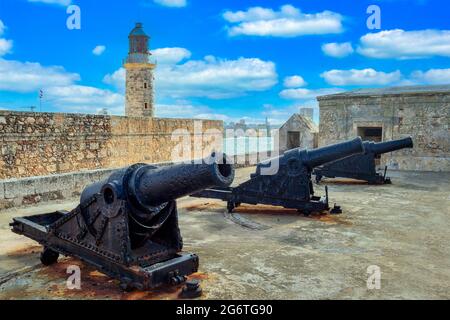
(52, 156)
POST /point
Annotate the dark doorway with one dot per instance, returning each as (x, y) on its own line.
(371, 133)
(293, 139)
(374, 134)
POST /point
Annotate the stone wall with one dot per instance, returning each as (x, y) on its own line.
(424, 116)
(38, 144)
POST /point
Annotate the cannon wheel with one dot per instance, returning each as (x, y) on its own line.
(230, 206)
(49, 257)
(304, 212)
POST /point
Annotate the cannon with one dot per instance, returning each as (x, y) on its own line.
(127, 225)
(286, 180)
(362, 167)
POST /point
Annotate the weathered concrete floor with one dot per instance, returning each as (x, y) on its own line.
(403, 228)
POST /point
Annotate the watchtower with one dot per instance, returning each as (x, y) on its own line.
(139, 75)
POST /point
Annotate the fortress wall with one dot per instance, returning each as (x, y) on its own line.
(40, 144)
(424, 117)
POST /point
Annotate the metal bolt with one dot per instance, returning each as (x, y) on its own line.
(191, 289)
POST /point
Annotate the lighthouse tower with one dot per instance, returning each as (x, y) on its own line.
(139, 75)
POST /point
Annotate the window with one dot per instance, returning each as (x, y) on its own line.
(146, 105)
(145, 85)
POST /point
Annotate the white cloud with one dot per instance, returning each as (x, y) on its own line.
(29, 76)
(59, 86)
(2, 28)
(360, 77)
(179, 110)
(432, 76)
(210, 77)
(58, 2)
(337, 50)
(306, 94)
(294, 82)
(98, 50)
(171, 3)
(170, 55)
(287, 22)
(183, 109)
(402, 44)
(216, 78)
(277, 114)
(116, 79)
(5, 46)
(85, 99)
(280, 114)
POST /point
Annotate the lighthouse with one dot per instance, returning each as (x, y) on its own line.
(139, 75)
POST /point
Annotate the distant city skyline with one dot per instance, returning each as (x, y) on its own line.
(226, 60)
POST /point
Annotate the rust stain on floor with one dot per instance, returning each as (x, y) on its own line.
(343, 181)
(206, 206)
(273, 210)
(21, 250)
(96, 285)
(331, 218)
(265, 209)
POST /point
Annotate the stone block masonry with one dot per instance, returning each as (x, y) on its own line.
(420, 112)
(139, 90)
(40, 144)
(41, 189)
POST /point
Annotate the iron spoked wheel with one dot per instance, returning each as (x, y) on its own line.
(49, 257)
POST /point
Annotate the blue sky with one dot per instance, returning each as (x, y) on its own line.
(218, 59)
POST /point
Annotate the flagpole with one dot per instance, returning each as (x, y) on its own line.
(41, 94)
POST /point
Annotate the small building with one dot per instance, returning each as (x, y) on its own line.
(298, 131)
(422, 112)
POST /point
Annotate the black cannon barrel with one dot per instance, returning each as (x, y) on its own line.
(320, 156)
(389, 146)
(153, 187)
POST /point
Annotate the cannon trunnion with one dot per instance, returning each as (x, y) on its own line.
(286, 180)
(127, 226)
(362, 166)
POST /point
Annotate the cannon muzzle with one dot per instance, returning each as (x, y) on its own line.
(320, 156)
(153, 187)
(388, 146)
